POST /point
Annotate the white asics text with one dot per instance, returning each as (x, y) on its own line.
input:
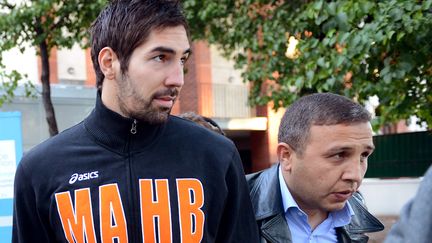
(83, 176)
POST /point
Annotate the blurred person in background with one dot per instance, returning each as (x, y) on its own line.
(203, 121)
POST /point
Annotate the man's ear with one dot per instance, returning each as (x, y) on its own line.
(107, 62)
(285, 155)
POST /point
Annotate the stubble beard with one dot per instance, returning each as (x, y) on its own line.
(142, 110)
(149, 114)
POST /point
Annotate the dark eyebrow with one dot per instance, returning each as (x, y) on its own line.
(169, 50)
(338, 150)
(341, 149)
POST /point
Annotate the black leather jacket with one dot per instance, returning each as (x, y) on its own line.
(269, 214)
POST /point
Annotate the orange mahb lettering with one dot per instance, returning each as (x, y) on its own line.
(152, 208)
(77, 225)
(191, 200)
(112, 217)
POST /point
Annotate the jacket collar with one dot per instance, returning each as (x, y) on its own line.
(113, 131)
(267, 203)
(362, 221)
(266, 187)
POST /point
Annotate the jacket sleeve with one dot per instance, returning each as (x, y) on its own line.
(238, 221)
(27, 224)
(415, 222)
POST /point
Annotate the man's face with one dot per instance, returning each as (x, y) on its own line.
(331, 167)
(149, 88)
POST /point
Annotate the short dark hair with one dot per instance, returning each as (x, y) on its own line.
(125, 24)
(317, 109)
(203, 121)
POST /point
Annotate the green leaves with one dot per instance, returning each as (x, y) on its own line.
(9, 82)
(356, 48)
(29, 23)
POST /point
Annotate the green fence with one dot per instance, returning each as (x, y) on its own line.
(401, 155)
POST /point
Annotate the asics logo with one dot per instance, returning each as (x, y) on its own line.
(83, 177)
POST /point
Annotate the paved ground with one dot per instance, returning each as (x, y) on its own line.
(378, 237)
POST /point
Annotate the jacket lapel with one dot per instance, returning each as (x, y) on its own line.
(267, 202)
(362, 222)
(275, 230)
(344, 237)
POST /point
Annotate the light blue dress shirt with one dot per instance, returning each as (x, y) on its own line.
(297, 220)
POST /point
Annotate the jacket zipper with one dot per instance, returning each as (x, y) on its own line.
(135, 220)
(134, 128)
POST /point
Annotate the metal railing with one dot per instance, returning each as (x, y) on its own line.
(225, 100)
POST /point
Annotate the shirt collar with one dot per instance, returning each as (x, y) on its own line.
(287, 199)
(340, 218)
(343, 217)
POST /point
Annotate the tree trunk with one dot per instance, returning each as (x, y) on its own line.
(46, 90)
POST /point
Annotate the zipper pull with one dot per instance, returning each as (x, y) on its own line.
(134, 128)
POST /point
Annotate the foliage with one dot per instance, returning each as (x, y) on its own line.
(357, 48)
(60, 23)
(42, 24)
(9, 83)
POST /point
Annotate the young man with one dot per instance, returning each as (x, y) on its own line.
(130, 172)
(311, 195)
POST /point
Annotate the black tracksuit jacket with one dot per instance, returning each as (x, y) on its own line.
(99, 182)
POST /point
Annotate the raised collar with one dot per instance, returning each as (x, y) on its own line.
(265, 194)
(113, 131)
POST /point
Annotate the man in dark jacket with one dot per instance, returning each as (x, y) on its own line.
(311, 195)
(130, 172)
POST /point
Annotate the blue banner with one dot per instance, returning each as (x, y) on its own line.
(10, 155)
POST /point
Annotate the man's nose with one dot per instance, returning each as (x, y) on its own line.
(355, 171)
(176, 76)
